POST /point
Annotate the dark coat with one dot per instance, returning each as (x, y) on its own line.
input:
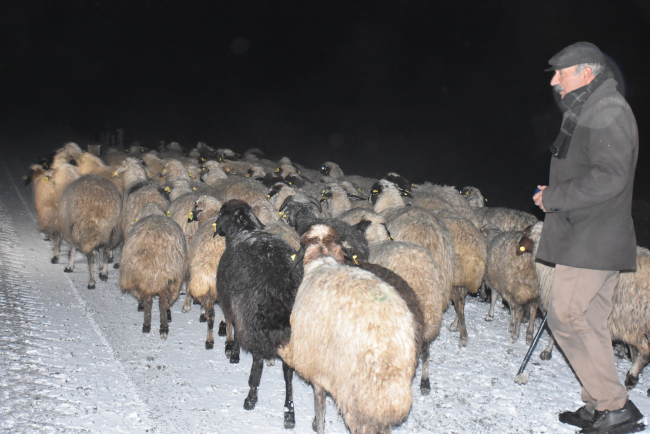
(588, 200)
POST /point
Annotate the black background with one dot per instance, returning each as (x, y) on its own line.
(448, 92)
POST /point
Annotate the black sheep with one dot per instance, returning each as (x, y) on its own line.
(257, 288)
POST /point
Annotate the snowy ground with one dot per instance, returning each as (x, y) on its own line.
(75, 360)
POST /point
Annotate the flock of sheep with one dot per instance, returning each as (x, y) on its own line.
(345, 278)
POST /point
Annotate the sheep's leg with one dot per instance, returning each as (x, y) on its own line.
(187, 306)
(482, 292)
(289, 415)
(202, 317)
(232, 350)
(229, 340)
(91, 269)
(146, 301)
(425, 386)
(209, 342)
(459, 294)
(530, 331)
(102, 266)
(640, 362)
(140, 305)
(454, 299)
(318, 424)
(222, 327)
(548, 351)
(516, 314)
(493, 301)
(56, 247)
(163, 307)
(254, 382)
(70, 266)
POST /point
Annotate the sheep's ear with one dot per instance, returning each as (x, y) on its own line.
(315, 201)
(288, 200)
(527, 230)
(30, 175)
(73, 162)
(297, 258)
(524, 245)
(362, 225)
(356, 197)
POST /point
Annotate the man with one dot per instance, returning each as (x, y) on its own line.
(588, 231)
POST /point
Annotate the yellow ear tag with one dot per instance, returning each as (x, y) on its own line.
(522, 249)
(390, 237)
(358, 189)
(354, 258)
(24, 178)
(115, 173)
(190, 173)
(486, 200)
(168, 190)
(293, 257)
(220, 159)
(299, 172)
(268, 197)
(375, 191)
(214, 225)
(164, 170)
(289, 182)
(127, 151)
(323, 191)
(248, 175)
(47, 178)
(169, 213)
(406, 194)
(277, 170)
(191, 215)
(136, 220)
(148, 175)
(281, 213)
(203, 160)
(227, 170)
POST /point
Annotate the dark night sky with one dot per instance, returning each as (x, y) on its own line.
(449, 92)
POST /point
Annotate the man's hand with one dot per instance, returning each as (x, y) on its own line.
(538, 197)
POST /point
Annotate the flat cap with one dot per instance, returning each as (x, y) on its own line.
(580, 52)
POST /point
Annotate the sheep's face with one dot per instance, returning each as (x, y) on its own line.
(401, 182)
(326, 170)
(319, 241)
(236, 216)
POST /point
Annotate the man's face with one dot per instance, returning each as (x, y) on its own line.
(565, 80)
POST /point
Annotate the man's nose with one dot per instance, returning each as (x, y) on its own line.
(555, 80)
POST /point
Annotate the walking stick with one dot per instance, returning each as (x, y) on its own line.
(521, 378)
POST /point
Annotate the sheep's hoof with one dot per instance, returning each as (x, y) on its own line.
(462, 342)
(453, 327)
(228, 348)
(55, 260)
(164, 331)
(425, 387)
(103, 277)
(234, 358)
(91, 285)
(648, 392)
(110, 260)
(314, 424)
(251, 399)
(169, 315)
(489, 318)
(146, 328)
(185, 309)
(47, 238)
(546, 355)
(513, 339)
(630, 381)
(209, 345)
(116, 265)
(529, 339)
(270, 362)
(222, 329)
(202, 318)
(68, 270)
(141, 307)
(289, 419)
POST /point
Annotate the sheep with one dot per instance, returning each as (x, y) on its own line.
(204, 253)
(246, 189)
(629, 321)
(333, 170)
(114, 157)
(88, 217)
(361, 317)
(138, 191)
(154, 263)
(257, 284)
(415, 265)
(418, 226)
(470, 253)
(506, 219)
(183, 199)
(88, 163)
(512, 275)
(338, 201)
(435, 197)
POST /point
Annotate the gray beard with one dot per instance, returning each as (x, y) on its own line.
(558, 88)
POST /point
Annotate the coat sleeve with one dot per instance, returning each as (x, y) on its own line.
(612, 155)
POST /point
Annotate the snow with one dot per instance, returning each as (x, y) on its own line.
(75, 360)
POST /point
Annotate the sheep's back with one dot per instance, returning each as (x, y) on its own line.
(154, 257)
(257, 291)
(512, 276)
(136, 199)
(362, 347)
(416, 265)
(89, 212)
(204, 254)
(506, 219)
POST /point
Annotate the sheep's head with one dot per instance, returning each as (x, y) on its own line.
(385, 186)
(473, 196)
(373, 228)
(204, 204)
(397, 179)
(295, 205)
(319, 241)
(236, 216)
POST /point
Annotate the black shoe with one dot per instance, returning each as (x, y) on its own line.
(580, 418)
(622, 421)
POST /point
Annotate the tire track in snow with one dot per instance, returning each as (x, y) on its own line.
(19, 302)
